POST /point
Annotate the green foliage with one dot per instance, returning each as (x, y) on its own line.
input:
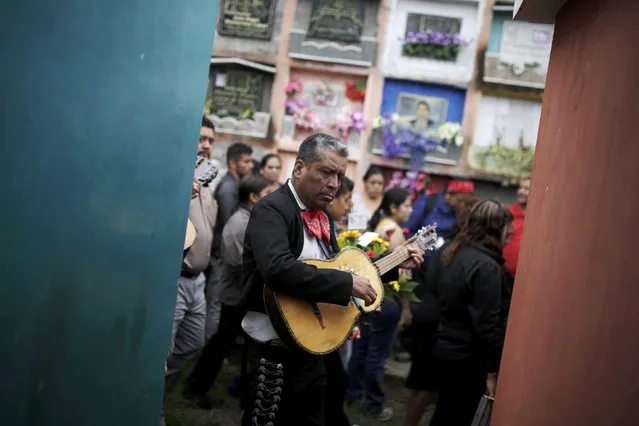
(509, 161)
(208, 107)
(247, 114)
(433, 51)
(403, 288)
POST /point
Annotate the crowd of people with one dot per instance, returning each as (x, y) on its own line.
(251, 230)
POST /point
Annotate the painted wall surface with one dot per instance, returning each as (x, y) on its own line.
(103, 106)
(458, 72)
(573, 333)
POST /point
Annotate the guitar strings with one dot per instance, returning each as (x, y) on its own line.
(387, 263)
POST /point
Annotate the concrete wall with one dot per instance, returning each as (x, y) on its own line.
(573, 338)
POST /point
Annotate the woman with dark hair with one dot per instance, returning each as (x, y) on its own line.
(342, 204)
(418, 337)
(270, 167)
(366, 202)
(371, 351)
(474, 293)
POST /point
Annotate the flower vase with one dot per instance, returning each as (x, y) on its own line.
(352, 141)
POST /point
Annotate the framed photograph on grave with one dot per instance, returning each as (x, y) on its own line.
(422, 108)
(247, 18)
(421, 113)
(337, 20)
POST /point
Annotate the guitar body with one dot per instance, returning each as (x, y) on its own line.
(296, 322)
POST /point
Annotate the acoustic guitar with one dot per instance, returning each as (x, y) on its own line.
(321, 328)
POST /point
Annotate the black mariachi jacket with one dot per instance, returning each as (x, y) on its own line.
(274, 240)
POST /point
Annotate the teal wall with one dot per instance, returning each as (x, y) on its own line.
(497, 28)
(101, 109)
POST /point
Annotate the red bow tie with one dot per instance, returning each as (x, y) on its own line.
(317, 224)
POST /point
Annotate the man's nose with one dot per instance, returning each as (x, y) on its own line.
(333, 182)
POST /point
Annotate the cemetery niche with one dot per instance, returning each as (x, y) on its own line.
(336, 31)
(239, 97)
(518, 53)
(329, 105)
(419, 123)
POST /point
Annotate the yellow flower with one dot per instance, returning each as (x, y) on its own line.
(394, 285)
(351, 234)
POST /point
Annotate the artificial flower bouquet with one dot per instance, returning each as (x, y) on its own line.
(433, 44)
(399, 138)
(375, 247)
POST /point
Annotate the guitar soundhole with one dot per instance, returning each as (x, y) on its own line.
(347, 269)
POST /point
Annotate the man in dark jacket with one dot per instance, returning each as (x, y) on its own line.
(239, 160)
(287, 387)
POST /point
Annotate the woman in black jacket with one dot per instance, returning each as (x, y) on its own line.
(418, 337)
(474, 296)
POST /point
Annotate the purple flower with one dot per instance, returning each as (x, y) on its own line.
(436, 38)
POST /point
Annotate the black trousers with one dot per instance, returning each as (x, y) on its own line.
(216, 350)
(336, 384)
(282, 387)
(462, 385)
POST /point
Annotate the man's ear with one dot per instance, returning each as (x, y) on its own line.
(254, 198)
(298, 168)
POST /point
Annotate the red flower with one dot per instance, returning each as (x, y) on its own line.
(389, 232)
(406, 231)
(370, 254)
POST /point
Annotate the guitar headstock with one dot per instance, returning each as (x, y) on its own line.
(205, 171)
(426, 238)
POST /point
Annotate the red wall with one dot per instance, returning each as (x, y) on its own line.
(572, 349)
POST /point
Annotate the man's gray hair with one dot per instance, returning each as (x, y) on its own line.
(311, 147)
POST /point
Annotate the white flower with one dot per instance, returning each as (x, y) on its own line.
(378, 122)
(459, 140)
(450, 132)
(395, 117)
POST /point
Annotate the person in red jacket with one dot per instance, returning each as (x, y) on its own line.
(518, 209)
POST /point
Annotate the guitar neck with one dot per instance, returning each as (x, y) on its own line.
(396, 257)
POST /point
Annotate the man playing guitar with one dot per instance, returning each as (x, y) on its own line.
(286, 387)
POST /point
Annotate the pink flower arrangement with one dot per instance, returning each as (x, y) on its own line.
(417, 183)
(305, 118)
(293, 88)
(324, 94)
(349, 120)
